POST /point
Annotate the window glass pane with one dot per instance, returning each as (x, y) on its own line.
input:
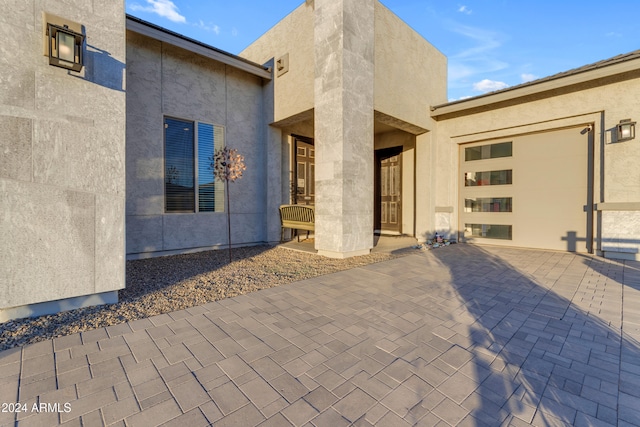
(395, 180)
(476, 179)
(501, 150)
(490, 151)
(301, 179)
(488, 231)
(384, 181)
(393, 212)
(488, 204)
(472, 153)
(179, 166)
(206, 179)
(218, 142)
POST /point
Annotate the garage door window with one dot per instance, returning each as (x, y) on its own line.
(476, 179)
(488, 204)
(490, 151)
(488, 231)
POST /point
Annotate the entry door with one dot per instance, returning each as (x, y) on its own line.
(389, 203)
(305, 168)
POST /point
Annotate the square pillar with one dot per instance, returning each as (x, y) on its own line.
(344, 84)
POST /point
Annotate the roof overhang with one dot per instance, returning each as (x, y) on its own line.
(397, 123)
(148, 29)
(547, 85)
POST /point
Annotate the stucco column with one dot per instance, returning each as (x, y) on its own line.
(344, 75)
(276, 192)
(425, 174)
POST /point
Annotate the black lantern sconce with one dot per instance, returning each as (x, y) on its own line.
(625, 130)
(64, 43)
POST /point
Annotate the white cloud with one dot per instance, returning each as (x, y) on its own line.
(213, 28)
(487, 85)
(234, 32)
(485, 41)
(477, 59)
(465, 10)
(526, 77)
(165, 8)
(613, 34)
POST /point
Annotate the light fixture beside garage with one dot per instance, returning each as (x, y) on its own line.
(626, 130)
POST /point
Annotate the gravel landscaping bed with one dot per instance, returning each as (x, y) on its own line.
(161, 285)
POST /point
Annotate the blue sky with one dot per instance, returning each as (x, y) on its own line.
(490, 44)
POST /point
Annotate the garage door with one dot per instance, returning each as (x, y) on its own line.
(526, 191)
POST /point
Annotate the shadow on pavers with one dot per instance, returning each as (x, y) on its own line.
(547, 343)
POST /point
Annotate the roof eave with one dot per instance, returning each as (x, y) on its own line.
(166, 36)
(533, 88)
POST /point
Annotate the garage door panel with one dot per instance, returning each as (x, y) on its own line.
(549, 191)
(551, 236)
(548, 179)
(557, 203)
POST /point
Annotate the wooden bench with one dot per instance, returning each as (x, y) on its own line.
(297, 217)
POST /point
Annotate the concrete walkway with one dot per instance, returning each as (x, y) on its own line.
(461, 335)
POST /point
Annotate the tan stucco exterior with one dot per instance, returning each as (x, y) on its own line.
(402, 93)
(599, 103)
(347, 73)
(410, 77)
(400, 98)
(292, 36)
(410, 74)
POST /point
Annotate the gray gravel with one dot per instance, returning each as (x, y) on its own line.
(161, 285)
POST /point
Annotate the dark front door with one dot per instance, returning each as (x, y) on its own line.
(388, 215)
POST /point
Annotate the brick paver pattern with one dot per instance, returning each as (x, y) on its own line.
(462, 335)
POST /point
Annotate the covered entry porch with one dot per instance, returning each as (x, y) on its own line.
(390, 186)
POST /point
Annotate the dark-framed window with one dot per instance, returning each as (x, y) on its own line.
(189, 182)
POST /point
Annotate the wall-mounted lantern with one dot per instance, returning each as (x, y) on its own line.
(626, 130)
(65, 48)
(64, 42)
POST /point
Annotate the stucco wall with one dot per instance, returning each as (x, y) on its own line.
(402, 91)
(294, 36)
(603, 104)
(410, 74)
(62, 139)
(164, 80)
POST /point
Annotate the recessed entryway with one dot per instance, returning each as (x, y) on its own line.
(388, 191)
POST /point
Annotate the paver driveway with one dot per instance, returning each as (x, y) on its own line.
(461, 335)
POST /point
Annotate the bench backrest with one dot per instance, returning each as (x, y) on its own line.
(297, 213)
